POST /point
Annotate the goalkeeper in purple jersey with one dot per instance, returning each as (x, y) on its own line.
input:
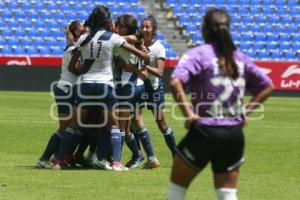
(217, 75)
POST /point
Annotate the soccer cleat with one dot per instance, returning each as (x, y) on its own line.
(135, 162)
(101, 164)
(151, 164)
(43, 164)
(118, 167)
(59, 164)
(91, 157)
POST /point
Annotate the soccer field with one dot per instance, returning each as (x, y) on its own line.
(271, 171)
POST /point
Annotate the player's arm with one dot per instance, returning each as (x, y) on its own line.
(157, 71)
(132, 39)
(141, 54)
(259, 98)
(180, 98)
(73, 65)
(142, 73)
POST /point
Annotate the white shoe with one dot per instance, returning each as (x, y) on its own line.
(101, 164)
(43, 164)
(118, 167)
(91, 157)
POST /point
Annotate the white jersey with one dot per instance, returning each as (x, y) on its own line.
(157, 51)
(66, 77)
(97, 56)
(129, 58)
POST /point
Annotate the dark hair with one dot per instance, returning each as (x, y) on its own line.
(153, 22)
(97, 20)
(215, 31)
(129, 22)
(73, 26)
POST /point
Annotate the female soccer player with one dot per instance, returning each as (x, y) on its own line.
(217, 75)
(131, 91)
(153, 84)
(97, 86)
(64, 93)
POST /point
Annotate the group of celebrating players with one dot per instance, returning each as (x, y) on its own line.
(110, 70)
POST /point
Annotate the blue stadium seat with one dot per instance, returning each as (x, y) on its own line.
(19, 50)
(192, 29)
(191, 11)
(286, 20)
(178, 11)
(284, 46)
(276, 55)
(197, 39)
(290, 55)
(272, 45)
(184, 20)
(260, 37)
(26, 41)
(7, 50)
(31, 50)
(284, 37)
(44, 51)
(263, 55)
(258, 45)
(171, 3)
(57, 51)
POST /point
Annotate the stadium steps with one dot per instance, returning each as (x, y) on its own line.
(166, 27)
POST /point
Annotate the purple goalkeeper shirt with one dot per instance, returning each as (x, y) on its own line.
(215, 97)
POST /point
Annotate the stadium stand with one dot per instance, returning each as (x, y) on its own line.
(35, 28)
(264, 29)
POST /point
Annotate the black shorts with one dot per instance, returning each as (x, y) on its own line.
(223, 146)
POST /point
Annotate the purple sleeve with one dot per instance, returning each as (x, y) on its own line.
(256, 79)
(187, 67)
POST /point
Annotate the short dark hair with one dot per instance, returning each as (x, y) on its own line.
(128, 21)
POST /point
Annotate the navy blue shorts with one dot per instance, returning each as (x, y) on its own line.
(223, 146)
(64, 98)
(130, 96)
(155, 98)
(91, 95)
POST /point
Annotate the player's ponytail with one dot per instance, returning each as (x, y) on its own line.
(97, 20)
(216, 32)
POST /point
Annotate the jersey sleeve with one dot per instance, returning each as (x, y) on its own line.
(80, 41)
(187, 67)
(161, 52)
(256, 79)
(117, 40)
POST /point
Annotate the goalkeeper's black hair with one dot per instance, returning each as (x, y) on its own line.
(215, 31)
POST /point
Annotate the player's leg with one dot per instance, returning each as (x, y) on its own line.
(226, 163)
(226, 184)
(113, 123)
(144, 136)
(161, 119)
(132, 143)
(181, 177)
(64, 101)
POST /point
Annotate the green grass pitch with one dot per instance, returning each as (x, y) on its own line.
(271, 171)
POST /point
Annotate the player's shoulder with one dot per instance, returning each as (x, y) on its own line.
(69, 48)
(158, 45)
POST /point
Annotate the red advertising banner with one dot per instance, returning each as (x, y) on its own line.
(285, 75)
